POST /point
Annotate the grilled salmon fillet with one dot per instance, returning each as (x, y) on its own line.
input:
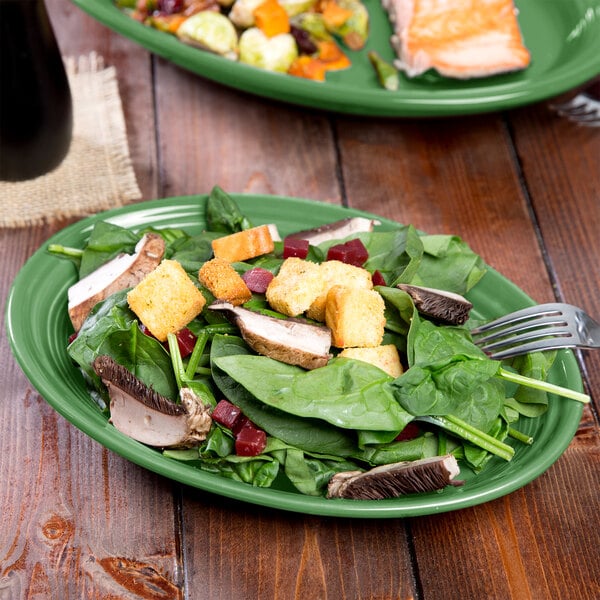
(457, 38)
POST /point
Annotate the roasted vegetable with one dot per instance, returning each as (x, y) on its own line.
(211, 31)
(275, 53)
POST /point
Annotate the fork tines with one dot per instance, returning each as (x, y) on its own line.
(542, 327)
(582, 109)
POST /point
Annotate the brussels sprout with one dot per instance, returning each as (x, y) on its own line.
(273, 54)
(296, 7)
(212, 31)
(242, 12)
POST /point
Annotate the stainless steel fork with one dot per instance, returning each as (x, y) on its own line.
(584, 108)
(541, 327)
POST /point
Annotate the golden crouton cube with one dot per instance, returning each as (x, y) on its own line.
(295, 287)
(223, 281)
(245, 244)
(385, 357)
(355, 316)
(166, 300)
(335, 272)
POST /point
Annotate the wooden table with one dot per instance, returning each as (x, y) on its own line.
(522, 188)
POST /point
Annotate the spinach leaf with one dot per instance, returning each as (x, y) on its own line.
(399, 312)
(477, 457)
(449, 375)
(192, 251)
(169, 234)
(309, 472)
(346, 393)
(422, 446)
(428, 342)
(259, 471)
(106, 241)
(219, 442)
(312, 435)
(223, 213)
(112, 329)
(529, 401)
(448, 264)
(310, 475)
(395, 254)
(460, 386)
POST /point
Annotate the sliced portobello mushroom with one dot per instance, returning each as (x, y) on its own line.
(288, 340)
(336, 230)
(123, 271)
(144, 415)
(440, 305)
(398, 479)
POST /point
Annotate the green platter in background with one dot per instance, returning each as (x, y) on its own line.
(562, 36)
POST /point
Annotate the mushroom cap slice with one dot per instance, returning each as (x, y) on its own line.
(287, 340)
(144, 415)
(336, 230)
(397, 479)
(440, 305)
(122, 272)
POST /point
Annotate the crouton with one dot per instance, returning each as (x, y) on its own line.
(385, 357)
(244, 244)
(336, 272)
(166, 300)
(355, 316)
(223, 282)
(295, 287)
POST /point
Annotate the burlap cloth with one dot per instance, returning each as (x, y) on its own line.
(97, 173)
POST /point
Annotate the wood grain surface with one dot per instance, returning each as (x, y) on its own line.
(522, 188)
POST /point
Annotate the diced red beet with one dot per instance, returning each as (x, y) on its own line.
(186, 340)
(378, 279)
(357, 253)
(352, 252)
(250, 441)
(227, 414)
(337, 252)
(295, 247)
(240, 424)
(410, 432)
(257, 279)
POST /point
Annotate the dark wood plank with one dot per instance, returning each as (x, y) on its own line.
(211, 135)
(512, 547)
(253, 552)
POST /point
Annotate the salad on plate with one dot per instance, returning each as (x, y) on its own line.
(338, 358)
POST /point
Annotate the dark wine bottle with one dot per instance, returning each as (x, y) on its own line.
(36, 118)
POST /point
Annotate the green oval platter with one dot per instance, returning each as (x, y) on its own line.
(562, 36)
(38, 328)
